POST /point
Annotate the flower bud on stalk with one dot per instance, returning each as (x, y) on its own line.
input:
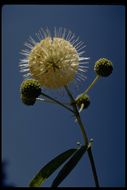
(83, 100)
(103, 67)
(30, 88)
(28, 101)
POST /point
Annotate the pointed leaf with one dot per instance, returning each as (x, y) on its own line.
(49, 168)
(68, 167)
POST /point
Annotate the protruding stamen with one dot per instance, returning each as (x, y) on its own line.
(28, 45)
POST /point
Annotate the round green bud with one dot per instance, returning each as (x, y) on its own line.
(103, 67)
(28, 101)
(83, 99)
(30, 88)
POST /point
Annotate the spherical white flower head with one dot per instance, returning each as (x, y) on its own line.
(54, 62)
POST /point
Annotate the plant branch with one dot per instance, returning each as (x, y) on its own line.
(77, 115)
(51, 101)
(56, 101)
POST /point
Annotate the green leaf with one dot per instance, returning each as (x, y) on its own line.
(49, 168)
(68, 167)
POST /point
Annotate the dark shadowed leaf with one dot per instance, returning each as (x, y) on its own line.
(49, 168)
(68, 167)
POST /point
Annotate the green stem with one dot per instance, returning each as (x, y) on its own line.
(93, 166)
(77, 115)
(56, 101)
(91, 85)
(51, 101)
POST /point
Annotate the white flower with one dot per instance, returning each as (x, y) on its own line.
(54, 61)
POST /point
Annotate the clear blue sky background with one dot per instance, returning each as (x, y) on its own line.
(32, 136)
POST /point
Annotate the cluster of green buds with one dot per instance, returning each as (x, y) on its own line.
(30, 89)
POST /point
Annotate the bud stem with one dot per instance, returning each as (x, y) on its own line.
(91, 85)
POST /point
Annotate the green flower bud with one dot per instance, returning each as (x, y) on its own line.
(30, 88)
(28, 101)
(103, 67)
(83, 99)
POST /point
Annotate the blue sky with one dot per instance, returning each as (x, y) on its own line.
(32, 136)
